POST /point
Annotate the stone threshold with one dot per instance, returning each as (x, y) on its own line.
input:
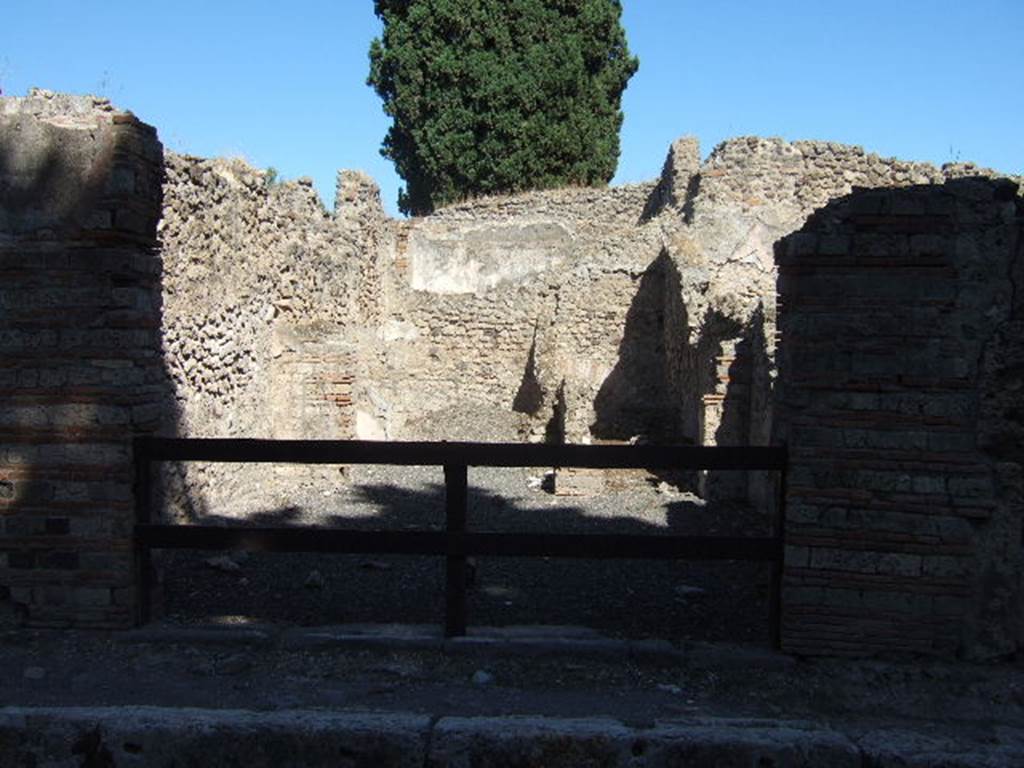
(532, 640)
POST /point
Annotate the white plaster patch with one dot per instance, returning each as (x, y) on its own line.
(474, 259)
(368, 427)
(398, 330)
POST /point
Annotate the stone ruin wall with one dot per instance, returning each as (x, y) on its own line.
(580, 314)
(748, 194)
(574, 314)
(80, 369)
(650, 310)
(655, 318)
(264, 293)
(900, 375)
(507, 315)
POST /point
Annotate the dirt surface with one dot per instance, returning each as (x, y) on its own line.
(278, 668)
(259, 632)
(679, 600)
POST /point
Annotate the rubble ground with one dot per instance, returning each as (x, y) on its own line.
(673, 600)
(676, 644)
(554, 673)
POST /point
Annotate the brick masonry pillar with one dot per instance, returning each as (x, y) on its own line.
(80, 366)
(896, 344)
(725, 419)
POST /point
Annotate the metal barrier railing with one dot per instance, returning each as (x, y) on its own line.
(455, 543)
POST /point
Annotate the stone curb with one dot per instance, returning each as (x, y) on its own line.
(153, 736)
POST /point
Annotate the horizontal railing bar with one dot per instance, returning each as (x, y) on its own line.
(341, 541)
(470, 454)
(615, 546)
(293, 539)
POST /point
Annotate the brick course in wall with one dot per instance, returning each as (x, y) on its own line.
(900, 534)
(583, 313)
(80, 368)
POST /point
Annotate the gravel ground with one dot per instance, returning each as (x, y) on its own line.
(972, 707)
(623, 598)
(168, 666)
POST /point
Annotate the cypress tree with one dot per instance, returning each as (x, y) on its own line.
(492, 96)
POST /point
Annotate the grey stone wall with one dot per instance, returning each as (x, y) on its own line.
(591, 314)
(265, 294)
(747, 195)
(898, 393)
(579, 314)
(80, 368)
(642, 310)
(499, 307)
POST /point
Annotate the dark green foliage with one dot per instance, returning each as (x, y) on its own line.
(494, 96)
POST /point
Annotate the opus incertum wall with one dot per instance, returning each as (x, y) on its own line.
(900, 366)
(901, 371)
(80, 366)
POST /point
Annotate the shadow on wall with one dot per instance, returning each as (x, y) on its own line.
(80, 366)
(639, 398)
(673, 384)
(761, 487)
(533, 402)
(901, 366)
(735, 408)
(679, 183)
(49, 184)
(529, 398)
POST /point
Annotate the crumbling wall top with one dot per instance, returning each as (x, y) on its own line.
(64, 162)
(63, 109)
(357, 197)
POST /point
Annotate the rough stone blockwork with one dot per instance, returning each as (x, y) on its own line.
(578, 315)
(266, 296)
(900, 371)
(80, 370)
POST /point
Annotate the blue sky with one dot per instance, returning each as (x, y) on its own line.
(283, 84)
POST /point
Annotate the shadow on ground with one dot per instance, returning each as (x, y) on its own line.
(677, 600)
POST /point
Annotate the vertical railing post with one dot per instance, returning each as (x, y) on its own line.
(779, 532)
(143, 558)
(456, 493)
